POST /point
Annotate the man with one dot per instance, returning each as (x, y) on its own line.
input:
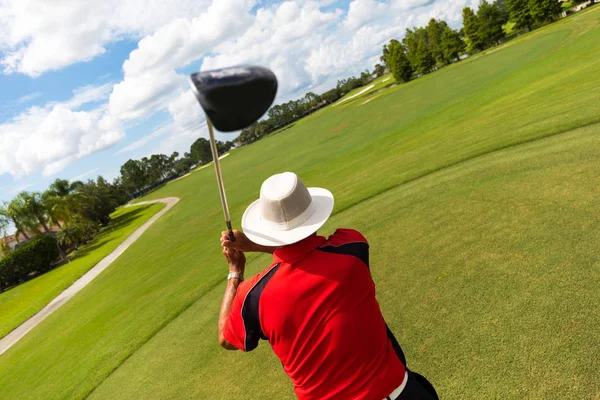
(315, 304)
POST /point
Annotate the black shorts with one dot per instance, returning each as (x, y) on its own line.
(418, 388)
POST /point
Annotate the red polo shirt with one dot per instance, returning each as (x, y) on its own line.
(316, 306)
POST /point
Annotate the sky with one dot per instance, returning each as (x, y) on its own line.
(86, 85)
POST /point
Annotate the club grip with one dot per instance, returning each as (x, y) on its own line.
(231, 235)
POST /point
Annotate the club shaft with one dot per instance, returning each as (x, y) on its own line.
(215, 154)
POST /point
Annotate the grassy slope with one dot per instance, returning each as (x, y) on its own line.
(487, 272)
(23, 301)
(461, 333)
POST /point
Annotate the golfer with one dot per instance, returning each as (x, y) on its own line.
(315, 303)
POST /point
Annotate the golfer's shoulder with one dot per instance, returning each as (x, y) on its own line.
(260, 278)
(344, 236)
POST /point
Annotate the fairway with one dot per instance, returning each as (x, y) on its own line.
(21, 302)
(477, 187)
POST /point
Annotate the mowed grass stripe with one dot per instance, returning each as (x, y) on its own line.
(408, 131)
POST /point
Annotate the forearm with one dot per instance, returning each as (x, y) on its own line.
(257, 248)
(228, 297)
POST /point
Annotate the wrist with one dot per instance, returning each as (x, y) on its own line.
(237, 269)
(239, 275)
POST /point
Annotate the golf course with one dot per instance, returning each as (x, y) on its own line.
(478, 188)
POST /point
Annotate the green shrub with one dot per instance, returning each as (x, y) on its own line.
(34, 257)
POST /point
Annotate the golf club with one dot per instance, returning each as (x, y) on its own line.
(232, 99)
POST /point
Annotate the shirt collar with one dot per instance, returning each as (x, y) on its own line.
(297, 250)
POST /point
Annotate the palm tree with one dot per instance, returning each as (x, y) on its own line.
(34, 206)
(3, 242)
(37, 211)
(63, 209)
(16, 213)
(62, 187)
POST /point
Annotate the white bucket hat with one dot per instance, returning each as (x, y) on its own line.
(286, 212)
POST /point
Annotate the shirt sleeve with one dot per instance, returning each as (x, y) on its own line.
(349, 242)
(344, 235)
(238, 330)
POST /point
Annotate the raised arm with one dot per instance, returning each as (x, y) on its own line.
(237, 265)
(244, 244)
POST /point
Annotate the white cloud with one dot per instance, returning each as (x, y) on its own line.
(161, 131)
(281, 38)
(88, 94)
(51, 137)
(81, 176)
(361, 12)
(404, 5)
(307, 48)
(18, 189)
(40, 35)
(150, 79)
(28, 97)
(188, 124)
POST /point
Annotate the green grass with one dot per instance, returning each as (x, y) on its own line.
(23, 301)
(477, 188)
(378, 85)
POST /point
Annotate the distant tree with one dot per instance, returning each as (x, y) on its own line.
(345, 86)
(365, 77)
(78, 232)
(4, 247)
(99, 201)
(15, 212)
(425, 61)
(159, 167)
(383, 57)
(223, 147)
(62, 187)
(311, 99)
(543, 11)
(491, 17)
(452, 45)
(502, 6)
(330, 96)
(38, 213)
(145, 165)
(133, 175)
(471, 26)
(183, 165)
(34, 206)
(171, 163)
(379, 70)
(520, 14)
(399, 63)
(200, 151)
(435, 28)
(411, 43)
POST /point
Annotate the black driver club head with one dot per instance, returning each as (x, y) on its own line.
(236, 97)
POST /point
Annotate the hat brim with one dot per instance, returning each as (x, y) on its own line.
(261, 233)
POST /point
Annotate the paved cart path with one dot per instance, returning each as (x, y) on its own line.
(13, 337)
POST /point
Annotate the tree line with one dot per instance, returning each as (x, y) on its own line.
(426, 49)
(140, 176)
(284, 114)
(73, 212)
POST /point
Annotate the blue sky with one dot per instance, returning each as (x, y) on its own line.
(87, 85)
